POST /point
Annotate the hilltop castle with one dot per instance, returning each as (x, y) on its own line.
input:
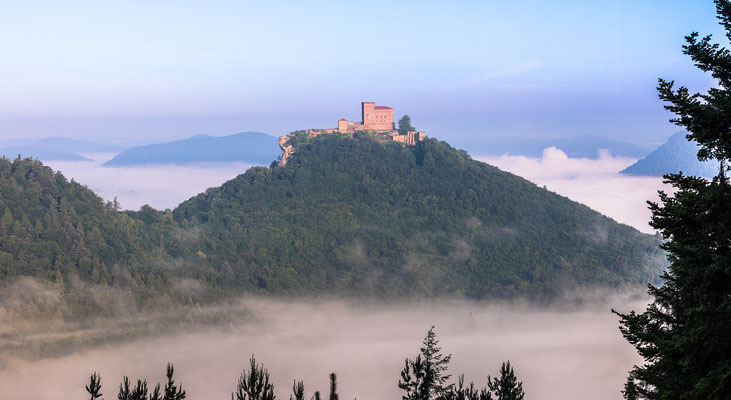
(375, 119)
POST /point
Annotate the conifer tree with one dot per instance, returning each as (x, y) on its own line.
(173, 392)
(507, 386)
(140, 391)
(412, 379)
(254, 385)
(684, 334)
(333, 387)
(298, 391)
(125, 392)
(95, 386)
(155, 395)
(424, 378)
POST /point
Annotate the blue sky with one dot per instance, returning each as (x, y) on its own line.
(143, 71)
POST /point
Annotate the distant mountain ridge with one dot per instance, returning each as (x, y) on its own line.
(77, 146)
(249, 147)
(574, 147)
(59, 149)
(676, 155)
(41, 154)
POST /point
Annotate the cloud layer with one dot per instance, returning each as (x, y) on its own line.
(161, 186)
(365, 345)
(595, 183)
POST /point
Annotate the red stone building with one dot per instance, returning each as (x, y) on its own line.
(377, 118)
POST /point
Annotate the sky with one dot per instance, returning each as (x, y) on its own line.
(139, 72)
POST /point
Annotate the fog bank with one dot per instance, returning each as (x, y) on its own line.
(160, 186)
(574, 354)
(595, 183)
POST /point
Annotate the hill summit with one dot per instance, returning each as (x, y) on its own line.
(346, 216)
(352, 214)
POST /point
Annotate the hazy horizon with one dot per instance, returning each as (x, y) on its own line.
(139, 72)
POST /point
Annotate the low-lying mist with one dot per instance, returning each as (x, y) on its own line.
(573, 352)
(595, 183)
(160, 186)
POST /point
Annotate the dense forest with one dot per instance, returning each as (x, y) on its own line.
(346, 216)
(352, 215)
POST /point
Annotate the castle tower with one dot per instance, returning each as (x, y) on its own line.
(377, 118)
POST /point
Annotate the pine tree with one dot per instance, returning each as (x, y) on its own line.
(507, 386)
(333, 387)
(298, 391)
(255, 385)
(155, 395)
(95, 386)
(172, 392)
(124, 391)
(412, 379)
(435, 366)
(140, 391)
(425, 377)
(684, 334)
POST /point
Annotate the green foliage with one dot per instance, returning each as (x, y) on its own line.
(404, 124)
(95, 386)
(683, 335)
(425, 377)
(254, 385)
(506, 387)
(140, 390)
(298, 391)
(358, 217)
(172, 391)
(346, 216)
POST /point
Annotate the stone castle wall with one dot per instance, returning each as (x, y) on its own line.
(377, 118)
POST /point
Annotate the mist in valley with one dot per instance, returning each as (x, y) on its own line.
(571, 350)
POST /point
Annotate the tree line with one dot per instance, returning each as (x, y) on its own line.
(423, 378)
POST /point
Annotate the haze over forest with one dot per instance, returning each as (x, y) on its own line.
(177, 186)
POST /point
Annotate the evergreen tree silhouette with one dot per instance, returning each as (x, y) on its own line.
(173, 392)
(684, 334)
(333, 387)
(298, 391)
(254, 385)
(124, 391)
(425, 377)
(507, 386)
(140, 391)
(155, 395)
(95, 386)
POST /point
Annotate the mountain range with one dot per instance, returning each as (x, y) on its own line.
(249, 147)
(676, 155)
(59, 149)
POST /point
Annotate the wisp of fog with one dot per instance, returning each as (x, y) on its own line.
(559, 353)
(596, 183)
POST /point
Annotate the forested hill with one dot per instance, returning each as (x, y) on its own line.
(346, 216)
(53, 228)
(352, 215)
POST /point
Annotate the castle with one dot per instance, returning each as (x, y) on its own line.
(375, 119)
